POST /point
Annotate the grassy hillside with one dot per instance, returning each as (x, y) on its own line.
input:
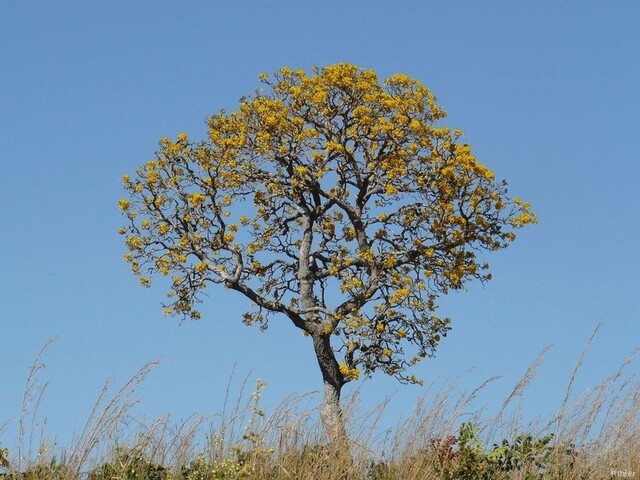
(596, 436)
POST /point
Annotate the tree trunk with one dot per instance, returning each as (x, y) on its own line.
(330, 411)
(331, 414)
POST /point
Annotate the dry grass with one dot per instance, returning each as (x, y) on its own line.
(596, 436)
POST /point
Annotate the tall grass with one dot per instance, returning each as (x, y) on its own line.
(595, 435)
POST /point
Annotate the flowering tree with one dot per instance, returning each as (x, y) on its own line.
(329, 199)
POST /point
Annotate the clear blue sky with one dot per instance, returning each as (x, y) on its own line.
(548, 94)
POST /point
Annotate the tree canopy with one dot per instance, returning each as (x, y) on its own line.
(333, 199)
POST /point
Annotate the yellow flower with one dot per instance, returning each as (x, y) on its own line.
(390, 189)
(400, 295)
(196, 199)
(134, 243)
(256, 265)
(349, 373)
(367, 255)
(334, 146)
(447, 172)
(201, 267)
(390, 261)
(350, 283)
(124, 204)
(152, 177)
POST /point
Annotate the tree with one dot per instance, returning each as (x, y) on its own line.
(332, 200)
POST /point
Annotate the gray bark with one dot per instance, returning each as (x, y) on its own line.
(330, 411)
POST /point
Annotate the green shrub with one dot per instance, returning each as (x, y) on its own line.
(465, 457)
(382, 470)
(51, 470)
(231, 468)
(129, 464)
